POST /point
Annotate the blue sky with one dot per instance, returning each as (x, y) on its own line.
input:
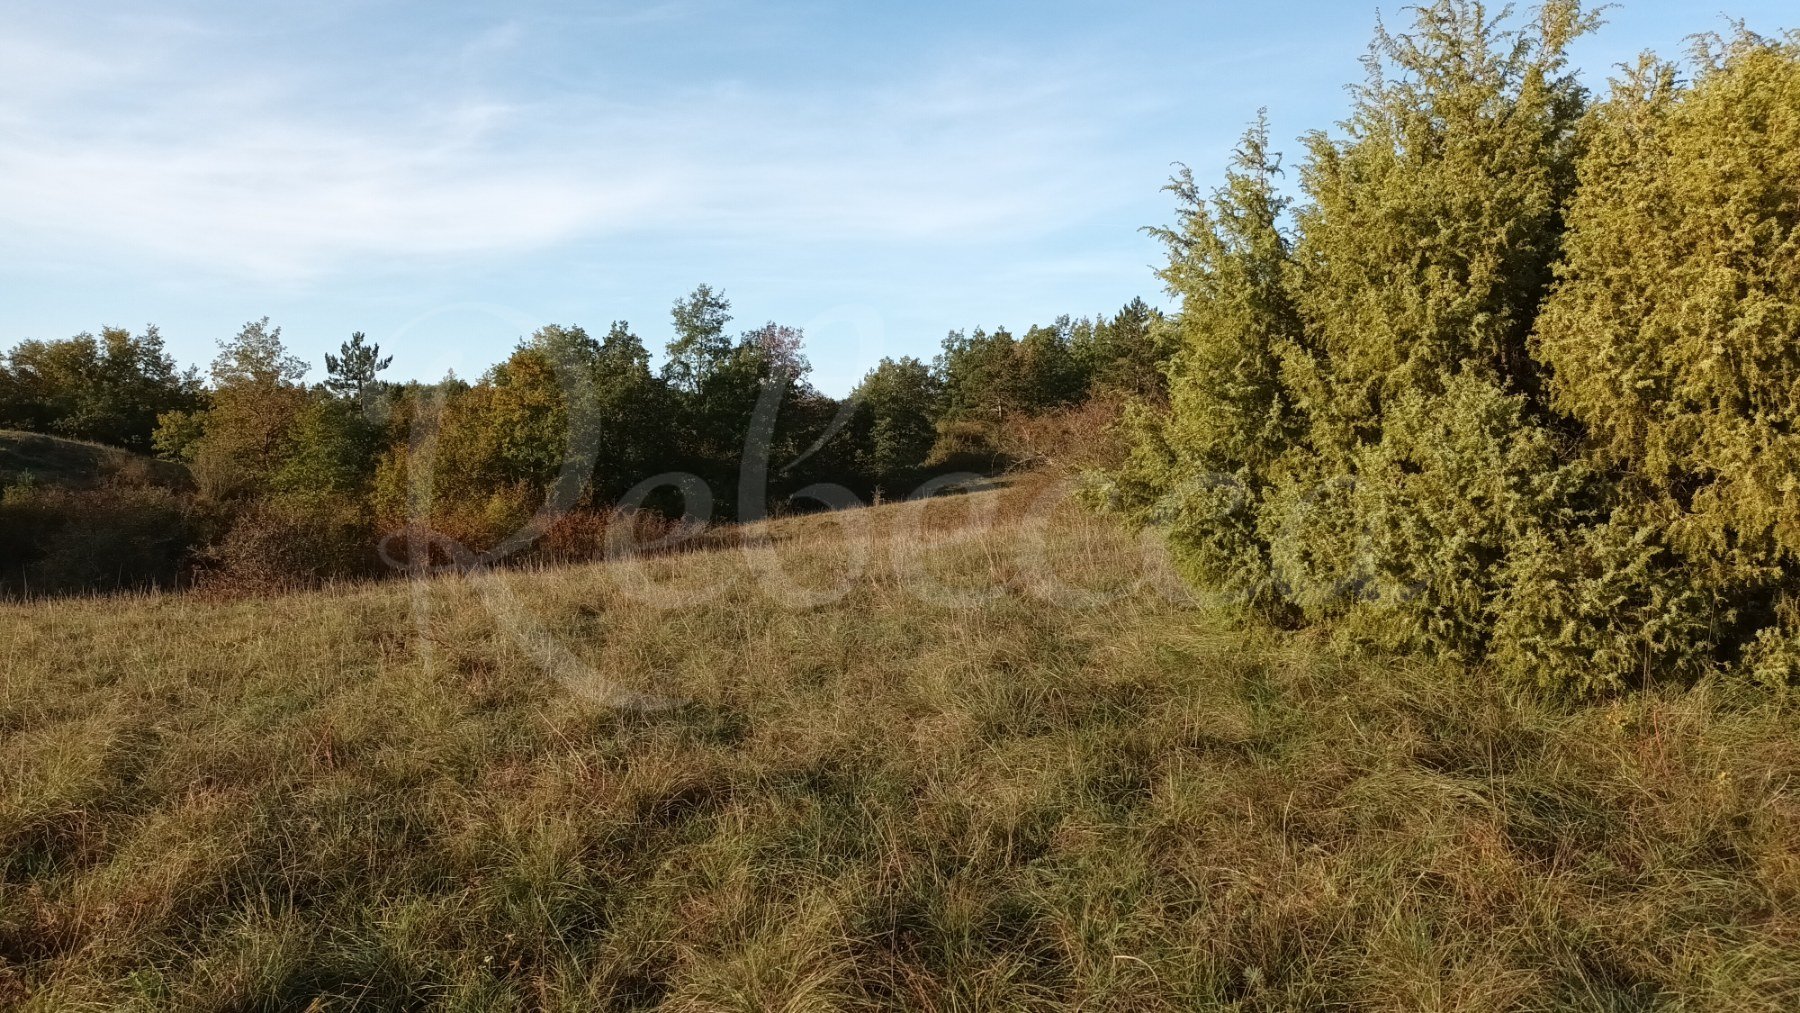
(447, 176)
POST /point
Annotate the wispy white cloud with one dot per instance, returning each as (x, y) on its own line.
(234, 165)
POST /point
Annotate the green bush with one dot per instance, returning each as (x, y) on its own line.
(1209, 519)
(283, 543)
(1596, 609)
(1522, 381)
(1457, 480)
(1671, 336)
(1349, 428)
(1199, 470)
(56, 540)
(1430, 228)
(1423, 249)
(1773, 656)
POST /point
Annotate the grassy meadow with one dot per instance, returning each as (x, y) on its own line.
(967, 754)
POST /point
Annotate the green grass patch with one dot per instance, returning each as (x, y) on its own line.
(940, 781)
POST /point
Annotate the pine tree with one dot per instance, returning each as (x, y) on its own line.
(353, 372)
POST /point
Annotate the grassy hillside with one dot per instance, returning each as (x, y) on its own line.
(50, 460)
(77, 518)
(1005, 768)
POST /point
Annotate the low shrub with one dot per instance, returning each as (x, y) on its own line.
(1773, 658)
(56, 540)
(285, 543)
(1087, 437)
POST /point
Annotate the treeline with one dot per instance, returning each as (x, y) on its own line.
(1516, 377)
(542, 457)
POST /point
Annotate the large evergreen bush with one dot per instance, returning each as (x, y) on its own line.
(1673, 336)
(1521, 380)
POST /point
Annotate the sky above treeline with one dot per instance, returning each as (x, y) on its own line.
(448, 176)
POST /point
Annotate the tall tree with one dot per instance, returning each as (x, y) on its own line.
(256, 357)
(700, 345)
(243, 438)
(632, 415)
(897, 407)
(354, 371)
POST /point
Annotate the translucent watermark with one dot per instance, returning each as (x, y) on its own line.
(943, 545)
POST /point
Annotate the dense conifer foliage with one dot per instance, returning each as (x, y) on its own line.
(1515, 377)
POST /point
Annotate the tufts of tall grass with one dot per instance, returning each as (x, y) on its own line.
(969, 754)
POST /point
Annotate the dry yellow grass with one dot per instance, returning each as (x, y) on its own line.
(972, 754)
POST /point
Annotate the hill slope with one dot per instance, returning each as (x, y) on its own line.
(52, 460)
(1001, 768)
(78, 517)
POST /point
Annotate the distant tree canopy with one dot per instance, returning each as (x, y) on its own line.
(303, 480)
(898, 404)
(108, 388)
(988, 379)
(1515, 376)
(1124, 352)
